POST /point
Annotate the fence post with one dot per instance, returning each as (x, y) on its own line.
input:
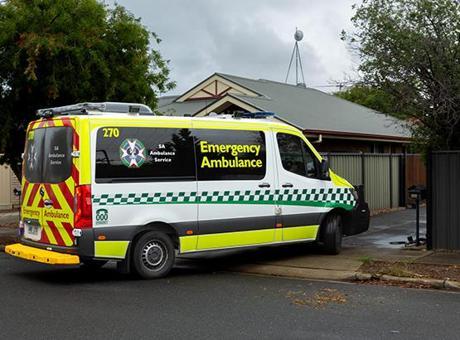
(402, 179)
(429, 200)
(391, 180)
(363, 175)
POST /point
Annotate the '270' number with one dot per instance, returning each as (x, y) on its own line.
(111, 132)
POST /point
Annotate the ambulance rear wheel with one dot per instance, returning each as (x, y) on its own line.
(332, 234)
(153, 255)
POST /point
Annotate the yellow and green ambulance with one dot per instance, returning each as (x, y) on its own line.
(114, 182)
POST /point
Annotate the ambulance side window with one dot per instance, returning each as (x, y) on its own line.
(130, 154)
(230, 155)
(295, 155)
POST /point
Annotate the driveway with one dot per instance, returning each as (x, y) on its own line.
(386, 230)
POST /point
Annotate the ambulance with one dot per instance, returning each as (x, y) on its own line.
(115, 182)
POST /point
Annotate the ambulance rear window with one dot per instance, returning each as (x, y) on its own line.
(48, 156)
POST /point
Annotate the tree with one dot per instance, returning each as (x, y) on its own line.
(410, 49)
(61, 52)
(370, 97)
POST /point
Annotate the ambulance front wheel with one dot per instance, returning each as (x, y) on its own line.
(153, 255)
(332, 234)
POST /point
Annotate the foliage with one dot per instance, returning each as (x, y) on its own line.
(370, 97)
(410, 49)
(61, 52)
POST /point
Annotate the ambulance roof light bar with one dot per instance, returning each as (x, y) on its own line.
(239, 115)
(86, 108)
(254, 115)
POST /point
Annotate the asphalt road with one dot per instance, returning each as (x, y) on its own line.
(41, 302)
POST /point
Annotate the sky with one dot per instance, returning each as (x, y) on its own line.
(249, 38)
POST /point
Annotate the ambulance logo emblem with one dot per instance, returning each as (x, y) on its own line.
(132, 153)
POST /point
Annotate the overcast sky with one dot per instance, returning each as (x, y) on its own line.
(250, 38)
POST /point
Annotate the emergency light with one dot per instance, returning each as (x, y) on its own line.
(254, 115)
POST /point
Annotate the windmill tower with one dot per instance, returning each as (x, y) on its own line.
(299, 77)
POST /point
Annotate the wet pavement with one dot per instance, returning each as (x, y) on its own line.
(389, 230)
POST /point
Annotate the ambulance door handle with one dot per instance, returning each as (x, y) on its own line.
(287, 185)
(264, 185)
(48, 203)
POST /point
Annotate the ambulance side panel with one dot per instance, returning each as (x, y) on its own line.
(156, 187)
(303, 196)
(236, 179)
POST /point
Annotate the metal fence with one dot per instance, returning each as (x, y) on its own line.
(443, 210)
(384, 176)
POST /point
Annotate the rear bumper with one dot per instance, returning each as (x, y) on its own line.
(84, 246)
(40, 255)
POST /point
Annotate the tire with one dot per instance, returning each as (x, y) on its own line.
(93, 264)
(153, 255)
(332, 234)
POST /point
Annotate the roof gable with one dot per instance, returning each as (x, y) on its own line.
(215, 87)
(221, 103)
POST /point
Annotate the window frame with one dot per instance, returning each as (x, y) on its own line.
(305, 150)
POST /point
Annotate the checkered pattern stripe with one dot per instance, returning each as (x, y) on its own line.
(332, 195)
(288, 196)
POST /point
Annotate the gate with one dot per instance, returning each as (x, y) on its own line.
(443, 204)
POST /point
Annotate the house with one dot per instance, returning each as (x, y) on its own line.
(332, 123)
(8, 182)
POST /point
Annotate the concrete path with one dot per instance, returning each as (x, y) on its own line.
(9, 218)
(8, 225)
(379, 243)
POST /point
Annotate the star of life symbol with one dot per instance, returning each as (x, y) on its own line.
(33, 157)
(132, 153)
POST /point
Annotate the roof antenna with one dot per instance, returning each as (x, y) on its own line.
(298, 36)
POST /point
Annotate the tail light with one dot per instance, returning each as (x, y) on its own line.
(82, 207)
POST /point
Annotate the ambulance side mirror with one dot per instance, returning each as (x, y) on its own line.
(324, 169)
